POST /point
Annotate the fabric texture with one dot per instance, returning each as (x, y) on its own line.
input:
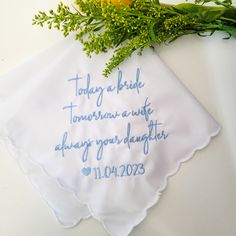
(95, 146)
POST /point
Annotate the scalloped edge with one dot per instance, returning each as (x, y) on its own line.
(175, 171)
(13, 150)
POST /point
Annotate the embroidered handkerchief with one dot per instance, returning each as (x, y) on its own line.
(95, 146)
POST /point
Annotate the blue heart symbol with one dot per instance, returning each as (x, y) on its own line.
(86, 171)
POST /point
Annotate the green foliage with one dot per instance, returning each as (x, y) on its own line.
(100, 26)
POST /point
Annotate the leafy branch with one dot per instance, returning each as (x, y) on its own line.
(101, 26)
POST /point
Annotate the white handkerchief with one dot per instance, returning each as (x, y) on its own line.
(95, 146)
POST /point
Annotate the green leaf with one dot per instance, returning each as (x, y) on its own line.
(90, 20)
(206, 13)
(230, 29)
(156, 2)
(98, 28)
(151, 31)
(212, 15)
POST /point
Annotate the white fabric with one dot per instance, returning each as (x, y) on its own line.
(130, 132)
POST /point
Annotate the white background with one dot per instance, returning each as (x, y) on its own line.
(199, 201)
